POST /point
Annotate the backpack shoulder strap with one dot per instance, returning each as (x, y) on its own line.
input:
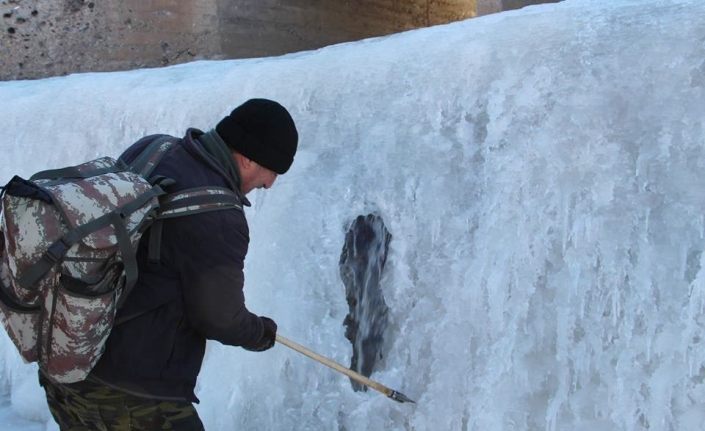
(151, 155)
(198, 200)
(188, 202)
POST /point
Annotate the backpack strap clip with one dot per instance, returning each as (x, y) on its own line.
(57, 250)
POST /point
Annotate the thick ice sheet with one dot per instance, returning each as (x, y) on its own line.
(540, 171)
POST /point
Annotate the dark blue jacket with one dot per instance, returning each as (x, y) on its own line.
(195, 292)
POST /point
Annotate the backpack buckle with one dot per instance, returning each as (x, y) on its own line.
(57, 250)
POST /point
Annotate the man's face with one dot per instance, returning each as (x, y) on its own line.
(255, 176)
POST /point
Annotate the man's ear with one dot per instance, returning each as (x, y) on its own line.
(243, 162)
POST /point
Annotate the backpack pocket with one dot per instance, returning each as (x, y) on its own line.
(80, 325)
(21, 321)
(21, 324)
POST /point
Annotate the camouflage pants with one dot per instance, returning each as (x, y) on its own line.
(91, 406)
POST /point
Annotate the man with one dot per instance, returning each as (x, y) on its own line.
(194, 291)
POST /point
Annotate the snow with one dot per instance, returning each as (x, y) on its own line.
(540, 172)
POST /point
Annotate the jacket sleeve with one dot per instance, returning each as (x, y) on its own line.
(211, 255)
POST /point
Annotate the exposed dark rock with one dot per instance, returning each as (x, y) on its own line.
(361, 265)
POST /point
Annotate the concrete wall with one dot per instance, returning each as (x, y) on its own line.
(54, 37)
(41, 38)
(516, 4)
(485, 7)
(270, 27)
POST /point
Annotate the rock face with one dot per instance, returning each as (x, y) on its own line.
(285, 26)
(485, 7)
(54, 37)
(41, 38)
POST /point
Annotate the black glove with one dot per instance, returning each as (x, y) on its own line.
(268, 336)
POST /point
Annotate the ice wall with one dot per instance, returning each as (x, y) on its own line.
(540, 171)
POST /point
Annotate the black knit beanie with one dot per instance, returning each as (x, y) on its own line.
(263, 131)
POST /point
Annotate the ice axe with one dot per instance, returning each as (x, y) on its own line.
(395, 395)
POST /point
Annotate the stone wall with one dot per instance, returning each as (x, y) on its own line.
(272, 27)
(54, 37)
(516, 4)
(41, 38)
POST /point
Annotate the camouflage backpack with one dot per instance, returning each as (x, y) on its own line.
(68, 241)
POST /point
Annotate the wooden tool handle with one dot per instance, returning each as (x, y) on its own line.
(336, 366)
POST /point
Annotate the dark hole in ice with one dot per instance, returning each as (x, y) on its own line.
(361, 265)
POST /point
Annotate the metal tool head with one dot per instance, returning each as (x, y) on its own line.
(401, 398)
